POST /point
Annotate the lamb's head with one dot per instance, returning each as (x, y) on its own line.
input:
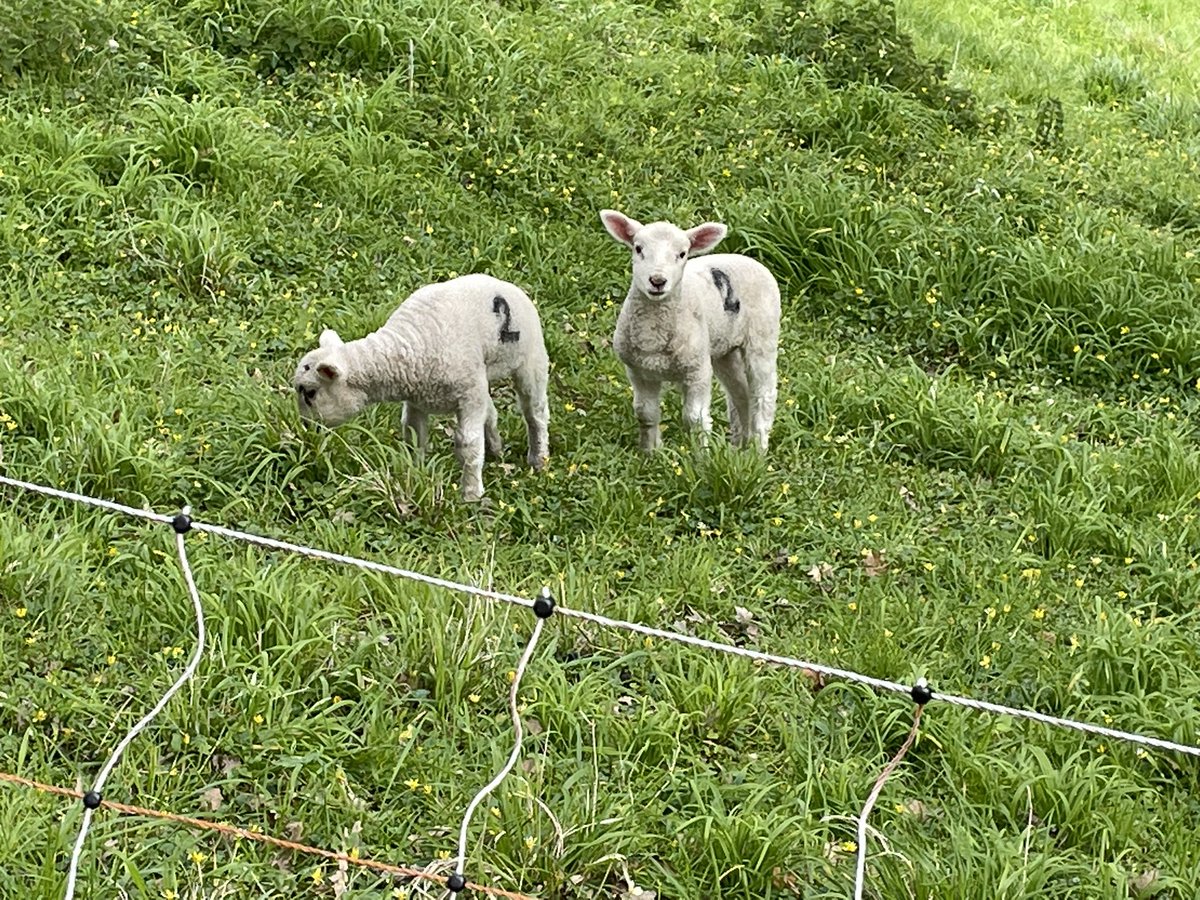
(660, 250)
(323, 390)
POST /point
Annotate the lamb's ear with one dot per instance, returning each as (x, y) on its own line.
(329, 370)
(704, 237)
(329, 338)
(621, 227)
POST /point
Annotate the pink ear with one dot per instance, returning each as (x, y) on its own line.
(328, 371)
(705, 237)
(622, 228)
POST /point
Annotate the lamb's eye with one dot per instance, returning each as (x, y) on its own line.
(682, 254)
(638, 249)
(307, 367)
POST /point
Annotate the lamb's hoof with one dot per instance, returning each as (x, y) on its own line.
(649, 440)
(472, 495)
(537, 463)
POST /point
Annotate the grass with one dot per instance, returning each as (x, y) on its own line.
(984, 468)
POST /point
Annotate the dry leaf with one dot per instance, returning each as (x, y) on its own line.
(338, 880)
(637, 893)
(533, 726)
(907, 496)
(833, 852)
(225, 764)
(874, 563)
(820, 572)
(212, 798)
(743, 624)
(1143, 881)
(623, 702)
(781, 879)
(817, 679)
(918, 810)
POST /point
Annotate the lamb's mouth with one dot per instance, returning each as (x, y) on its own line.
(656, 292)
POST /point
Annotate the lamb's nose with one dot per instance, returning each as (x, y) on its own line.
(657, 282)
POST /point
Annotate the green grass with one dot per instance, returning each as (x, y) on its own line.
(990, 379)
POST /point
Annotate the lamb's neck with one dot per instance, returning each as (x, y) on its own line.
(659, 307)
(384, 364)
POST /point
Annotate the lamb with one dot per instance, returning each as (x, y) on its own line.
(684, 319)
(439, 352)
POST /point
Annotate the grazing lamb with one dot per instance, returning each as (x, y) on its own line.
(439, 352)
(684, 319)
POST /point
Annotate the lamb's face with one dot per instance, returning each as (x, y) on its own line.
(660, 250)
(322, 390)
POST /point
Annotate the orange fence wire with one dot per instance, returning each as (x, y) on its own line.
(238, 831)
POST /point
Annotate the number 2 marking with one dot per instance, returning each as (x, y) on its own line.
(500, 305)
(722, 283)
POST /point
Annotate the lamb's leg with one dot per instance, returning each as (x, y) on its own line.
(761, 375)
(731, 372)
(647, 407)
(414, 424)
(697, 398)
(469, 445)
(530, 384)
(492, 442)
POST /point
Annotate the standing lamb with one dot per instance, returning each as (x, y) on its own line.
(684, 319)
(439, 352)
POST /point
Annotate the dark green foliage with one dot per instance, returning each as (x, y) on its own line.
(293, 35)
(1048, 132)
(37, 37)
(1109, 81)
(861, 42)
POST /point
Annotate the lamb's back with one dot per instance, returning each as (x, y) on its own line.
(738, 295)
(458, 326)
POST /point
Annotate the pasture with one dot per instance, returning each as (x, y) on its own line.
(985, 221)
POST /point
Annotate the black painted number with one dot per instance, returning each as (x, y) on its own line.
(725, 286)
(500, 307)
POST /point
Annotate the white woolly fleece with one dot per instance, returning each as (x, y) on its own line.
(686, 319)
(439, 352)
